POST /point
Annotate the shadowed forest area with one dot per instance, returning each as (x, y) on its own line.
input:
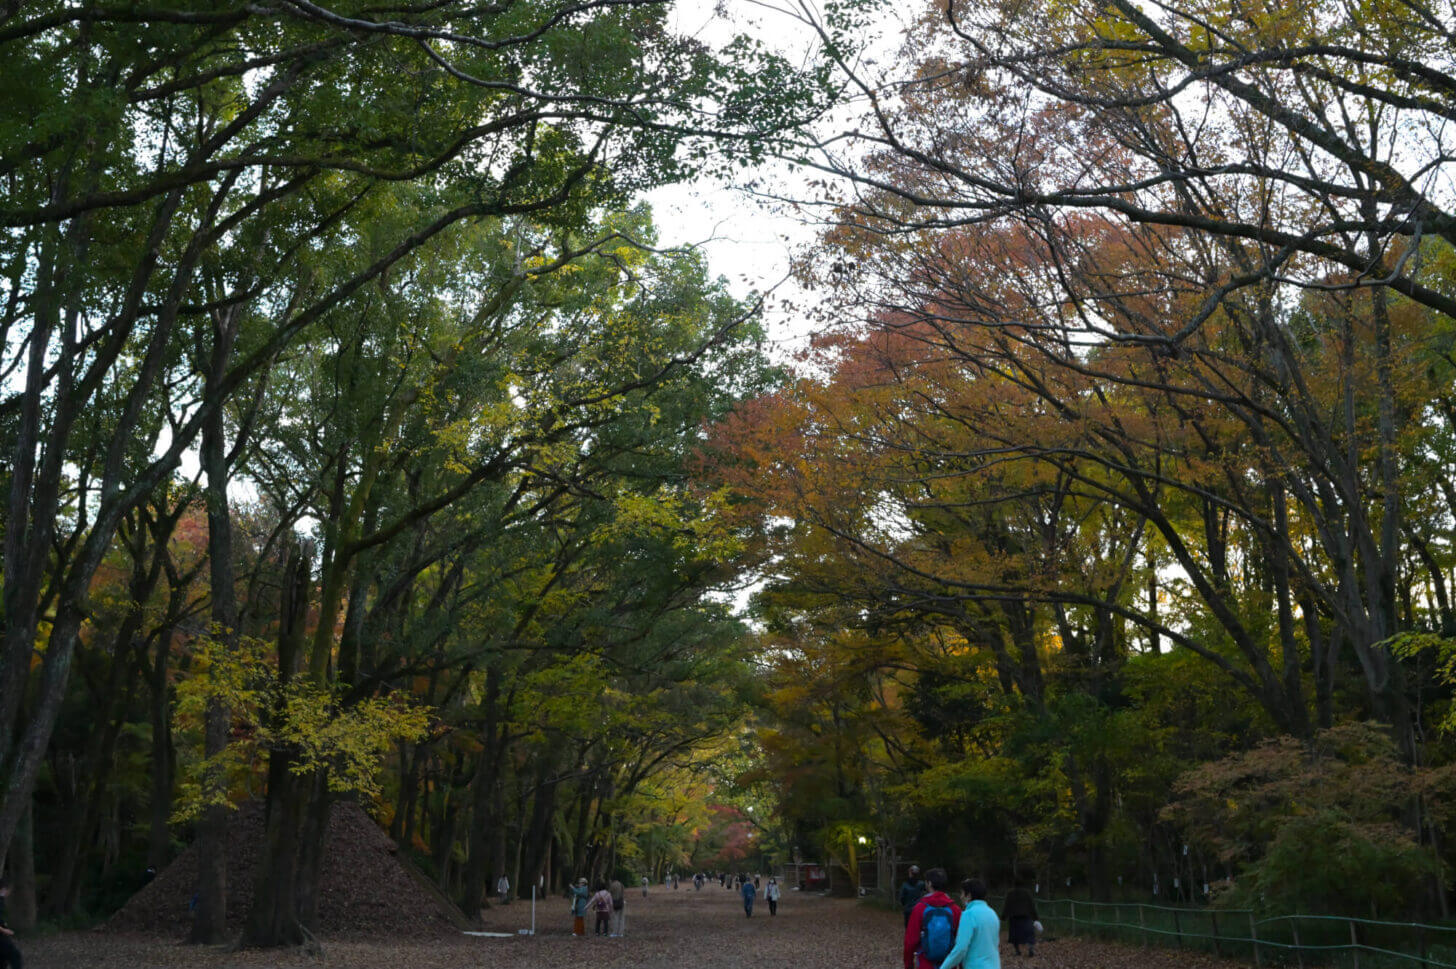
(387, 504)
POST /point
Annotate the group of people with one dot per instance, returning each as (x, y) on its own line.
(943, 934)
(749, 889)
(608, 900)
(608, 903)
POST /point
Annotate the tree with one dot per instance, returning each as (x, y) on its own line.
(196, 164)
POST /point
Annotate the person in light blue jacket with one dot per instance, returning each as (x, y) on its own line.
(978, 937)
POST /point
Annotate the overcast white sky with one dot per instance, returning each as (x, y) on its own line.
(746, 241)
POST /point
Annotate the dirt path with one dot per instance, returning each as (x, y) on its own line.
(667, 930)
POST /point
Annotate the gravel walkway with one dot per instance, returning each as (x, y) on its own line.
(667, 930)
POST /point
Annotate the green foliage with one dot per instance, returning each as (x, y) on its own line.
(1442, 650)
(1324, 863)
(1317, 827)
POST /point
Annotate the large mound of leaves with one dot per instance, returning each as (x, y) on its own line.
(365, 891)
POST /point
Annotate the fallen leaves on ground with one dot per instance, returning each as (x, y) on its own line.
(667, 930)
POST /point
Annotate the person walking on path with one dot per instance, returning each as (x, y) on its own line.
(978, 937)
(601, 905)
(503, 889)
(580, 894)
(1020, 915)
(931, 931)
(644, 886)
(9, 953)
(772, 894)
(748, 891)
(911, 891)
(618, 891)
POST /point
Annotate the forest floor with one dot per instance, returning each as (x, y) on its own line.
(667, 930)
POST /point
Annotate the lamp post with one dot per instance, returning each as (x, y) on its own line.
(884, 882)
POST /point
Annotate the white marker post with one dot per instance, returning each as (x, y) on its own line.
(533, 909)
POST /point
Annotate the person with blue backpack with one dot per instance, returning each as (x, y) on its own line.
(930, 934)
(978, 937)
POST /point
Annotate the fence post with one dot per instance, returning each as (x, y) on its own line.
(1213, 917)
(1178, 927)
(1424, 957)
(1355, 945)
(1143, 924)
(1298, 949)
(1254, 939)
(1074, 915)
(1117, 921)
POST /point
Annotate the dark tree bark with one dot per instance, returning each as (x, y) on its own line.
(480, 865)
(274, 918)
(209, 920)
(23, 903)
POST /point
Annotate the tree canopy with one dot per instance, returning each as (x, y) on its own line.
(362, 441)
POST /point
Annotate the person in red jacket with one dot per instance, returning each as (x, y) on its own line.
(937, 924)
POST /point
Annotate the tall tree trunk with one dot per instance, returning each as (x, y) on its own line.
(159, 838)
(313, 850)
(23, 910)
(482, 794)
(209, 920)
(95, 773)
(273, 919)
(537, 836)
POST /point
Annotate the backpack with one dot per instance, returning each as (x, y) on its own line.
(937, 933)
(604, 902)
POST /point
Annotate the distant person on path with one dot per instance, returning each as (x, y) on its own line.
(9, 954)
(580, 894)
(748, 892)
(911, 891)
(644, 886)
(772, 894)
(1020, 915)
(978, 937)
(618, 891)
(601, 906)
(931, 931)
(503, 889)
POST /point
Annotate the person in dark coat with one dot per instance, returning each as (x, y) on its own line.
(911, 891)
(9, 953)
(1020, 915)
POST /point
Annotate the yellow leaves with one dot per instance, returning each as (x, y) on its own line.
(296, 716)
(228, 675)
(344, 742)
(700, 531)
